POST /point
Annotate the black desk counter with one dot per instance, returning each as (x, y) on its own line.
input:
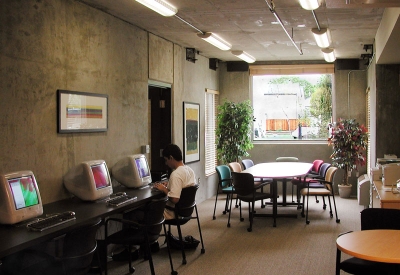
(14, 238)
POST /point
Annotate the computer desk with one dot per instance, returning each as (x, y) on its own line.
(14, 238)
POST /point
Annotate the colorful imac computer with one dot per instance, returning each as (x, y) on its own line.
(19, 197)
(89, 180)
(132, 171)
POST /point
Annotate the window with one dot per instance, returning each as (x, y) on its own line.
(291, 106)
(211, 103)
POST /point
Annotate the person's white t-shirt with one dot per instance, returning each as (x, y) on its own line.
(181, 177)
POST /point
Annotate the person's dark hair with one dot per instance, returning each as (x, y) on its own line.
(172, 150)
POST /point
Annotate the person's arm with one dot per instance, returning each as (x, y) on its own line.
(163, 188)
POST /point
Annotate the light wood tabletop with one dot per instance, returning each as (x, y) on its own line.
(373, 245)
(279, 170)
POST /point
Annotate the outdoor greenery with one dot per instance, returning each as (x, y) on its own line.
(349, 140)
(233, 133)
(321, 103)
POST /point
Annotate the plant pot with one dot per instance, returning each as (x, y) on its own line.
(344, 191)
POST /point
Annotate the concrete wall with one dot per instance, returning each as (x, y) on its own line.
(63, 44)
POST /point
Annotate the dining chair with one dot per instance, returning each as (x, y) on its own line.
(246, 191)
(309, 178)
(371, 218)
(139, 232)
(327, 191)
(183, 210)
(284, 181)
(224, 185)
(247, 163)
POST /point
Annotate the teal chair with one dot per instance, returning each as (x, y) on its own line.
(224, 185)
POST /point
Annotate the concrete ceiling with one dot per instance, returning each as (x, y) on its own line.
(249, 25)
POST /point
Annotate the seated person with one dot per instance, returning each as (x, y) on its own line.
(182, 176)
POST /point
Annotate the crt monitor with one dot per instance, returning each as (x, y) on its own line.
(89, 180)
(19, 197)
(132, 171)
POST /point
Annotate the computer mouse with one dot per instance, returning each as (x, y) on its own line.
(71, 213)
(120, 194)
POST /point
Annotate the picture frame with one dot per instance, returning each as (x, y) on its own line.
(81, 112)
(191, 132)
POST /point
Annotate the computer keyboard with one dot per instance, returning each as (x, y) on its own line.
(119, 200)
(51, 221)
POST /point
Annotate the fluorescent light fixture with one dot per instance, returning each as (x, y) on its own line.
(310, 4)
(329, 54)
(215, 40)
(244, 56)
(159, 6)
(322, 37)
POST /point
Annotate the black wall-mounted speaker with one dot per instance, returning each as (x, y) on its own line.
(347, 64)
(237, 66)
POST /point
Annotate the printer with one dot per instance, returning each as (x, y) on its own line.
(390, 174)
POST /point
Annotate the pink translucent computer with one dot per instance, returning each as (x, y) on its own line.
(89, 180)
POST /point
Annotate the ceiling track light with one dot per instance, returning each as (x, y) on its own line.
(272, 9)
(329, 54)
(159, 6)
(322, 37)
(244, 56)
(310, 4)
(215, 40)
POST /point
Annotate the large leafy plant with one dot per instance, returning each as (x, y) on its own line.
(349, 140)
(233, 133)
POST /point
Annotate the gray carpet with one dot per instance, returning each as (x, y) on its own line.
(290, 248)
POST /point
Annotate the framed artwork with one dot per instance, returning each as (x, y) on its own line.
(191, 132)
(82, 112)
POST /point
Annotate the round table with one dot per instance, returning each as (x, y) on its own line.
(373, 245)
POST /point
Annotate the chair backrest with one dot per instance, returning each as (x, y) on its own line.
(380, 218)
(154, 217)
(247, 163)
(235, 167)
(287, 159)
(187, 201)
(323, 169)
(243, 183)
(78, 248)
(224, 175)
(330, 173)
(317, 165)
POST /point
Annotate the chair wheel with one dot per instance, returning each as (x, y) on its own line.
(184, 261)
(174, 272)
(236, 206)
(241, 219)
(307, 222)
(224, 212)
(263, 206)
(131, 270)
(228, 225)
(338, 221)
(249, 230)
(203, 251)
(214, 217)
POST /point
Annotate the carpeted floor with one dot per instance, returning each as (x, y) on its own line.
(293, 247)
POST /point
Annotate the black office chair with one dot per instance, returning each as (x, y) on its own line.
(142, 232)
(183, 213)
(78, 248)
(247, 163)
(371, 218)
(225, 185)
(246, 191)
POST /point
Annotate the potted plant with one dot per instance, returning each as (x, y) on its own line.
(349, 140)
(233, 133)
